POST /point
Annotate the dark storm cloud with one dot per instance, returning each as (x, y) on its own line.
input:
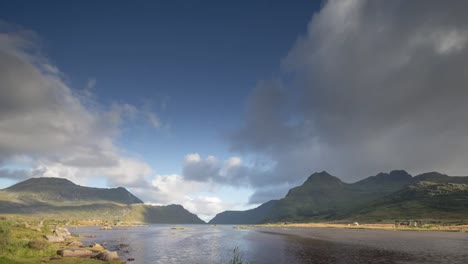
(373, 86)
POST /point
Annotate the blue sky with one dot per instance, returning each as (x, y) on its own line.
(191, 63)
(221, 105)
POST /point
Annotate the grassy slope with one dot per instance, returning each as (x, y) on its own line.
(15, 236)
(423, 200)
(99, 210)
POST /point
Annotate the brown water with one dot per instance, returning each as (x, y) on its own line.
(214, 244)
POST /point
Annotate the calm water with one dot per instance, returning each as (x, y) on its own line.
(214, 244)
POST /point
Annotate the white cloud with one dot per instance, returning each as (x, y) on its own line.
(197, 197)
(230, 172)
(206, 206)
(62, 133)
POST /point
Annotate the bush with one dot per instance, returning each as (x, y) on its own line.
(38, 244)
(5, 235)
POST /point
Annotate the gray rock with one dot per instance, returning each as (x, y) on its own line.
(77, 253)
(62, 231)
(55, 238)
(108, 256)
(97, 246)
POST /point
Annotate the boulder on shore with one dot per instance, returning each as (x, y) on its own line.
(77, 253)
(97, 246)
(107, 256)
(75, 244)
(62, 231)
(54, 238)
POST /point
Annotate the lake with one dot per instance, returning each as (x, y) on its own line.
(215, 244)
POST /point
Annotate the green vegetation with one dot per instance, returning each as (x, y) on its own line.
(427, 201)
(237, 257)
(23, 242)
(15, 239)
(38, 244)
(5, 235)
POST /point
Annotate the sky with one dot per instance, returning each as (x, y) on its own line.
(220, 105)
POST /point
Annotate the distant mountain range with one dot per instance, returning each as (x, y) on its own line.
(62, 199)
(322, 197)
(384, 197)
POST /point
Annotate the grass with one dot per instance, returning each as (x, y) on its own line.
(23, 242)
(237, 257)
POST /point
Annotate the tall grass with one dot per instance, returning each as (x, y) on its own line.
(237, 257)
(5, 235)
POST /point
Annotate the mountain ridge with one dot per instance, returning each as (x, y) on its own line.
(323, 197)
(51, 188)
(60, 198)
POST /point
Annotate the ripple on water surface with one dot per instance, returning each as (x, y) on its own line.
(215, 244)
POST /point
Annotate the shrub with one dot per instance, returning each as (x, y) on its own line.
(38, 244)
(5, 235)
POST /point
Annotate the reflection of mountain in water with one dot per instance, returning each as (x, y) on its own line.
(209, 244)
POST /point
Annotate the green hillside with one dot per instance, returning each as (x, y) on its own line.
(61, 199)
(386, 196)
(422, 200)
(323, 196)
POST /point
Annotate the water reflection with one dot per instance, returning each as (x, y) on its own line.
(208, 244)
(307, 250)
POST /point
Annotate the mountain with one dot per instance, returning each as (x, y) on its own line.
(394, 195)
(252, 216)
(62, 199)
(323, 196)
(388, 182)
(58, 189)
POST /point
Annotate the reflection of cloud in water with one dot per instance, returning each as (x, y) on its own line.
(215, 244)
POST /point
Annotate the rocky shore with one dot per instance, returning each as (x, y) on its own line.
(75, 248)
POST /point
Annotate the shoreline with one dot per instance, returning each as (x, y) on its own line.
(365, 226)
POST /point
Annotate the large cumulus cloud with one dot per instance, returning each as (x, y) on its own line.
(372, 86)
(61, 132)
